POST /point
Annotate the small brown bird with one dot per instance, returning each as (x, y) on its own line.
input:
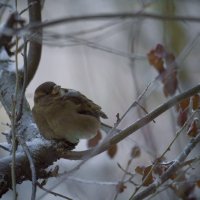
(65, 114)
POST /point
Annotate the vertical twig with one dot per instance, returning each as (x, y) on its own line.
(13, 125)
(13, 122)
(124, 176)
(21, 139)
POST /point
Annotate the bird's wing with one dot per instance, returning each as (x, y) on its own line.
(86, 106)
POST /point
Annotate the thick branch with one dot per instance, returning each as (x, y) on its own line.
(35, 49)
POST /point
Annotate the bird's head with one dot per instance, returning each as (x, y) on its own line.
(44, 90)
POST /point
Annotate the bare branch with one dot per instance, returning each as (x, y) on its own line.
(111, 16)
(53, 193)
(35, 49)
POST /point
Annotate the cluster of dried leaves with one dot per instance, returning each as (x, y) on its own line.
(165, 63)
(184, 109)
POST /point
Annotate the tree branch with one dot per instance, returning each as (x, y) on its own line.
(136, 15)
(35, 48)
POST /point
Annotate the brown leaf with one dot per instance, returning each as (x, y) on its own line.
(112, 150)
(155, 57)
(164, 63)
(146, 172)
(193, 130)
(140, 170)
(95, 140)
(135, 152)
(147, 177)
(184, 191)
(184, 103)
(173, 176)
(198, 183)
(121, 187)
(195, 102)
(159, 169)
(170, 83)
(182, 117)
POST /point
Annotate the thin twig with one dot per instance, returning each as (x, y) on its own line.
(20, 138)
(124, 176)
(95, 45)
(137, 15)
(5, 148)
(27, 8)
(53, 193)
(104, 183)
(135, 103)
(107, 25)
(155, 113)
(24, 81)
(13, 125)
(145, 15)
(32, 166)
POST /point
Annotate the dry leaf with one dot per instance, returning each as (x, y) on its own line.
(184, 103)
(170, 83)
(95, 140)
(182, 117)
(164, 63)
(198, 183)
(193, 130)
(147, 177)
(121, 187)
(195, 102)
(140, 170)
(135, 152)
(147, 174)
(155, 57)
(112, 150)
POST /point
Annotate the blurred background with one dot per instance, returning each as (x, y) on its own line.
(107, 61)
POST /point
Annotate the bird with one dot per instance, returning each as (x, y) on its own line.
(65, 114)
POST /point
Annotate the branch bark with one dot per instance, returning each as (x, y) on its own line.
(35, 48)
